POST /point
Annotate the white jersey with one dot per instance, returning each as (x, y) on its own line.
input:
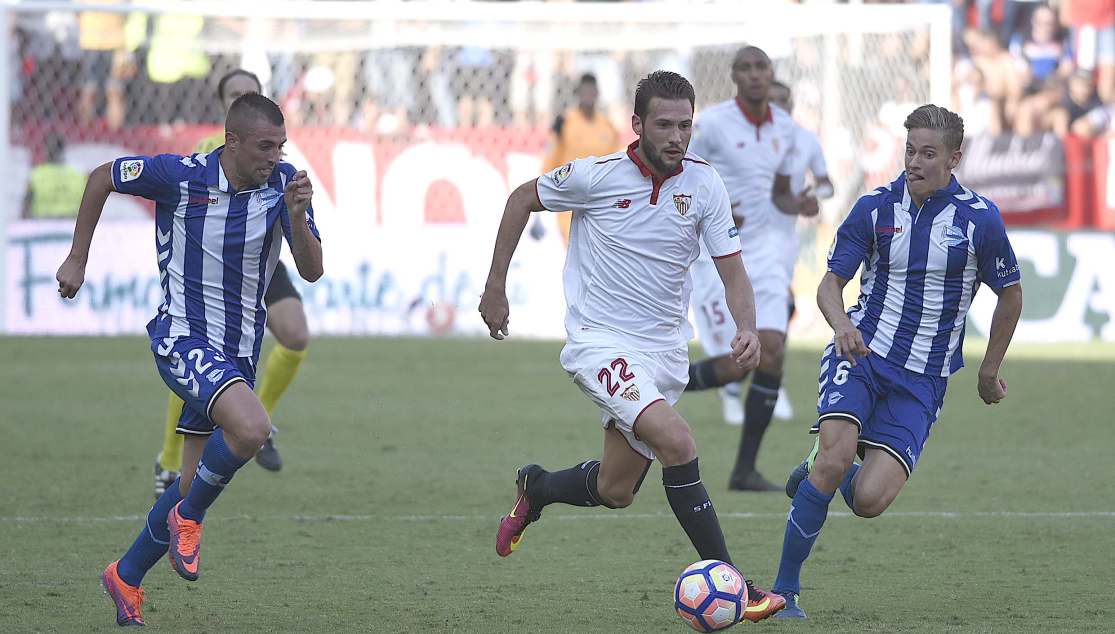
(631, 243)
(747, 154)
(806, 156)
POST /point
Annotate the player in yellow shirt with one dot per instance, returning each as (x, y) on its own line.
(579, 133)
(286, 319)
(54, 188)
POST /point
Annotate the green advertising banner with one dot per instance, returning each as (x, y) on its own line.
(1068, 277)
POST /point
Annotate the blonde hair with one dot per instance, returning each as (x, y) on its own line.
(933, 117)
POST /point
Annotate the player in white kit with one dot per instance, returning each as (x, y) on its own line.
(638, 219)
(749, 142)
(806, 158)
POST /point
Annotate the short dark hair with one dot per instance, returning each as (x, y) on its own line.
(249, 108)
(931, 117)
(587, 78)
(748, 49)
(664, 84)
(234, 73)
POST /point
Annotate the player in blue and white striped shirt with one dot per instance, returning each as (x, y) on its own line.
(220, 220)
(925, 243)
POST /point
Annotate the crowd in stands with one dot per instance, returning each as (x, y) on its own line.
(1031, 66)
(1021, 66)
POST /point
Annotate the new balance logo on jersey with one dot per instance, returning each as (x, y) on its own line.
(622, 203)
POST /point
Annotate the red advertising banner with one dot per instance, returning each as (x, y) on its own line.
(325, 150)
(1104, 205)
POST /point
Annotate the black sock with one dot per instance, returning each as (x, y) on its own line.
(575, 486)
(694, 511)
(757, 410)
(702, 375)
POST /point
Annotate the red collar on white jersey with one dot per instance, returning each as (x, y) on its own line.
(645, 171)
(755, 122)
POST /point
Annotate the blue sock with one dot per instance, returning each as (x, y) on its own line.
(846, 486)
(152, 542)
(807, 516)
(217, 466)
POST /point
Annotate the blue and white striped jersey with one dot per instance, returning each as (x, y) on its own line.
(217, 247)
(921, 269)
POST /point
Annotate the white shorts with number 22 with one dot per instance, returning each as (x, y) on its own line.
(624, 383)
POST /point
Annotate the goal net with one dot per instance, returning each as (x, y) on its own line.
(415, 121)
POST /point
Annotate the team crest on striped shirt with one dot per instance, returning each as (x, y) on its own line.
(682, 202)
(954, 236)
(267, 197)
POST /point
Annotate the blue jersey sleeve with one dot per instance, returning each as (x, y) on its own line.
(995, 259)
(854, 239)
(285, 218)
(284, 213)
(155, 178)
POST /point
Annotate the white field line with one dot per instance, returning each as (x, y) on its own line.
(16, 519)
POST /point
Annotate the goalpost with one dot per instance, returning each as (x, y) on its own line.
(415, 119)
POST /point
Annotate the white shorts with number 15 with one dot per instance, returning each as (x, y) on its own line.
(769, 258)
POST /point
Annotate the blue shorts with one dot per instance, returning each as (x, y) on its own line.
(198, 373)
(893, 407)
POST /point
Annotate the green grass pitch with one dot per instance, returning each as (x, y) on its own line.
(400, 456)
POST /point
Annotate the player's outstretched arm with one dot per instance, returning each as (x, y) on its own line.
(71, 275)
(992, 389)
(830, 300)
(493, 303)
(304, 246)
(741, 304)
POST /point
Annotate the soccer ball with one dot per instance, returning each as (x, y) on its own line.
(710, 595)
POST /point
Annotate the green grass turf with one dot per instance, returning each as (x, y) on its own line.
(379, 431)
